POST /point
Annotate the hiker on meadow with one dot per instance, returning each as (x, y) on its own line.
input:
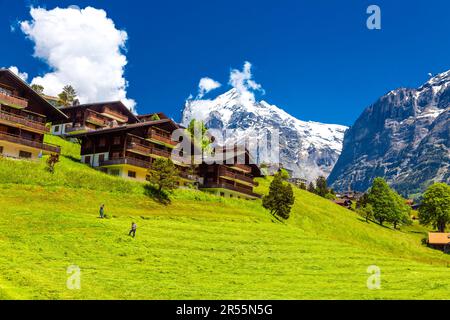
(133, 229)
(102, 211)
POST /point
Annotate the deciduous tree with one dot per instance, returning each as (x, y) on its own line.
(435, 207)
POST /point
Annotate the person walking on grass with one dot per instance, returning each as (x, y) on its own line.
(102, 211)
(133, 229)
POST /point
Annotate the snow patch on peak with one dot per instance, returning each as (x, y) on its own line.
(308, 149)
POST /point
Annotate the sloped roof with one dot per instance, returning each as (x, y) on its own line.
(118, 104)
(125, 127)
(52, 109)
(438, 238)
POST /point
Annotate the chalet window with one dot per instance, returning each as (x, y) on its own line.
(131, 174)
(56, 128)
(1, 150)
(102, 142)
(116, 155)
(88, 144)
(101, 158)
(87, 159)
(117, 140)
(222, 194)
(24, 154)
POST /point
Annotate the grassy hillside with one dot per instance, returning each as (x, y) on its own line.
(199, 246)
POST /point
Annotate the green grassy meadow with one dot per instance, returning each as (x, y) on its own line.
(198, 247)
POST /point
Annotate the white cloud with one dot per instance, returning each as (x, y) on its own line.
(83, 48)
(22, 75)
(242, 81)
(206, 85)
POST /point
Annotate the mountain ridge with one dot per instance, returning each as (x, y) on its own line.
(307, 148)
(404, 137)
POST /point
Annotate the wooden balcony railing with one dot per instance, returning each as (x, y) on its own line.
(223, 172)
(161, 137)
(233, 188)
(160, 153)
(114, 114)
(127, 160)
(187, 175)
(13, 101)
(242, 167)
(24, 121)
(138, 148)
(77, 128)
(30, 143)
(97, 119)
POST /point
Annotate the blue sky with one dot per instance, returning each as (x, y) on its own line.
(315, 59)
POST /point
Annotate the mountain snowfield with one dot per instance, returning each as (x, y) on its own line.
(403, 137)
(308, 149)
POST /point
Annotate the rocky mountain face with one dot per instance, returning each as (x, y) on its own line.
(307, 149)
(403, 137)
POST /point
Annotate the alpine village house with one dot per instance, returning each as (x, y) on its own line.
(24, 118)
(113, 139)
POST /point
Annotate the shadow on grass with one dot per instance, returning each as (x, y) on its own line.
(161, 197)
(72, 158)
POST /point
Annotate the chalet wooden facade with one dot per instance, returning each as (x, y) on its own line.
(24, 119)
(440, 241)
(93, 116)
(128, 151)
(231, 176)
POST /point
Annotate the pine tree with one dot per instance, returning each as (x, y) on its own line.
(321, 187)
(280, 198)
(163, 174)
(38, 88)
(67, 97)
(155, 117)
(311, 187)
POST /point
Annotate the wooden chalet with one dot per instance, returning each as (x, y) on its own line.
(440, 241)
(231, 175)
(25, 118)
(93, 116)
(128, 151)
(152, 117)
(346, 203)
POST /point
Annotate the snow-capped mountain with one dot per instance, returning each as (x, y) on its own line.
(308, 149)
(403, 137)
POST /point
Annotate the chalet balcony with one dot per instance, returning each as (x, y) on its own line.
(161, 137)
(97, 119)
(228, 174)
(160, 153)
(23, 122)
(136, 147)
(13, 101)
(227, 186)
(242, 167)
(126, 160)
(110, 113)
(71, 129)
(30, 143)
(187, 176)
